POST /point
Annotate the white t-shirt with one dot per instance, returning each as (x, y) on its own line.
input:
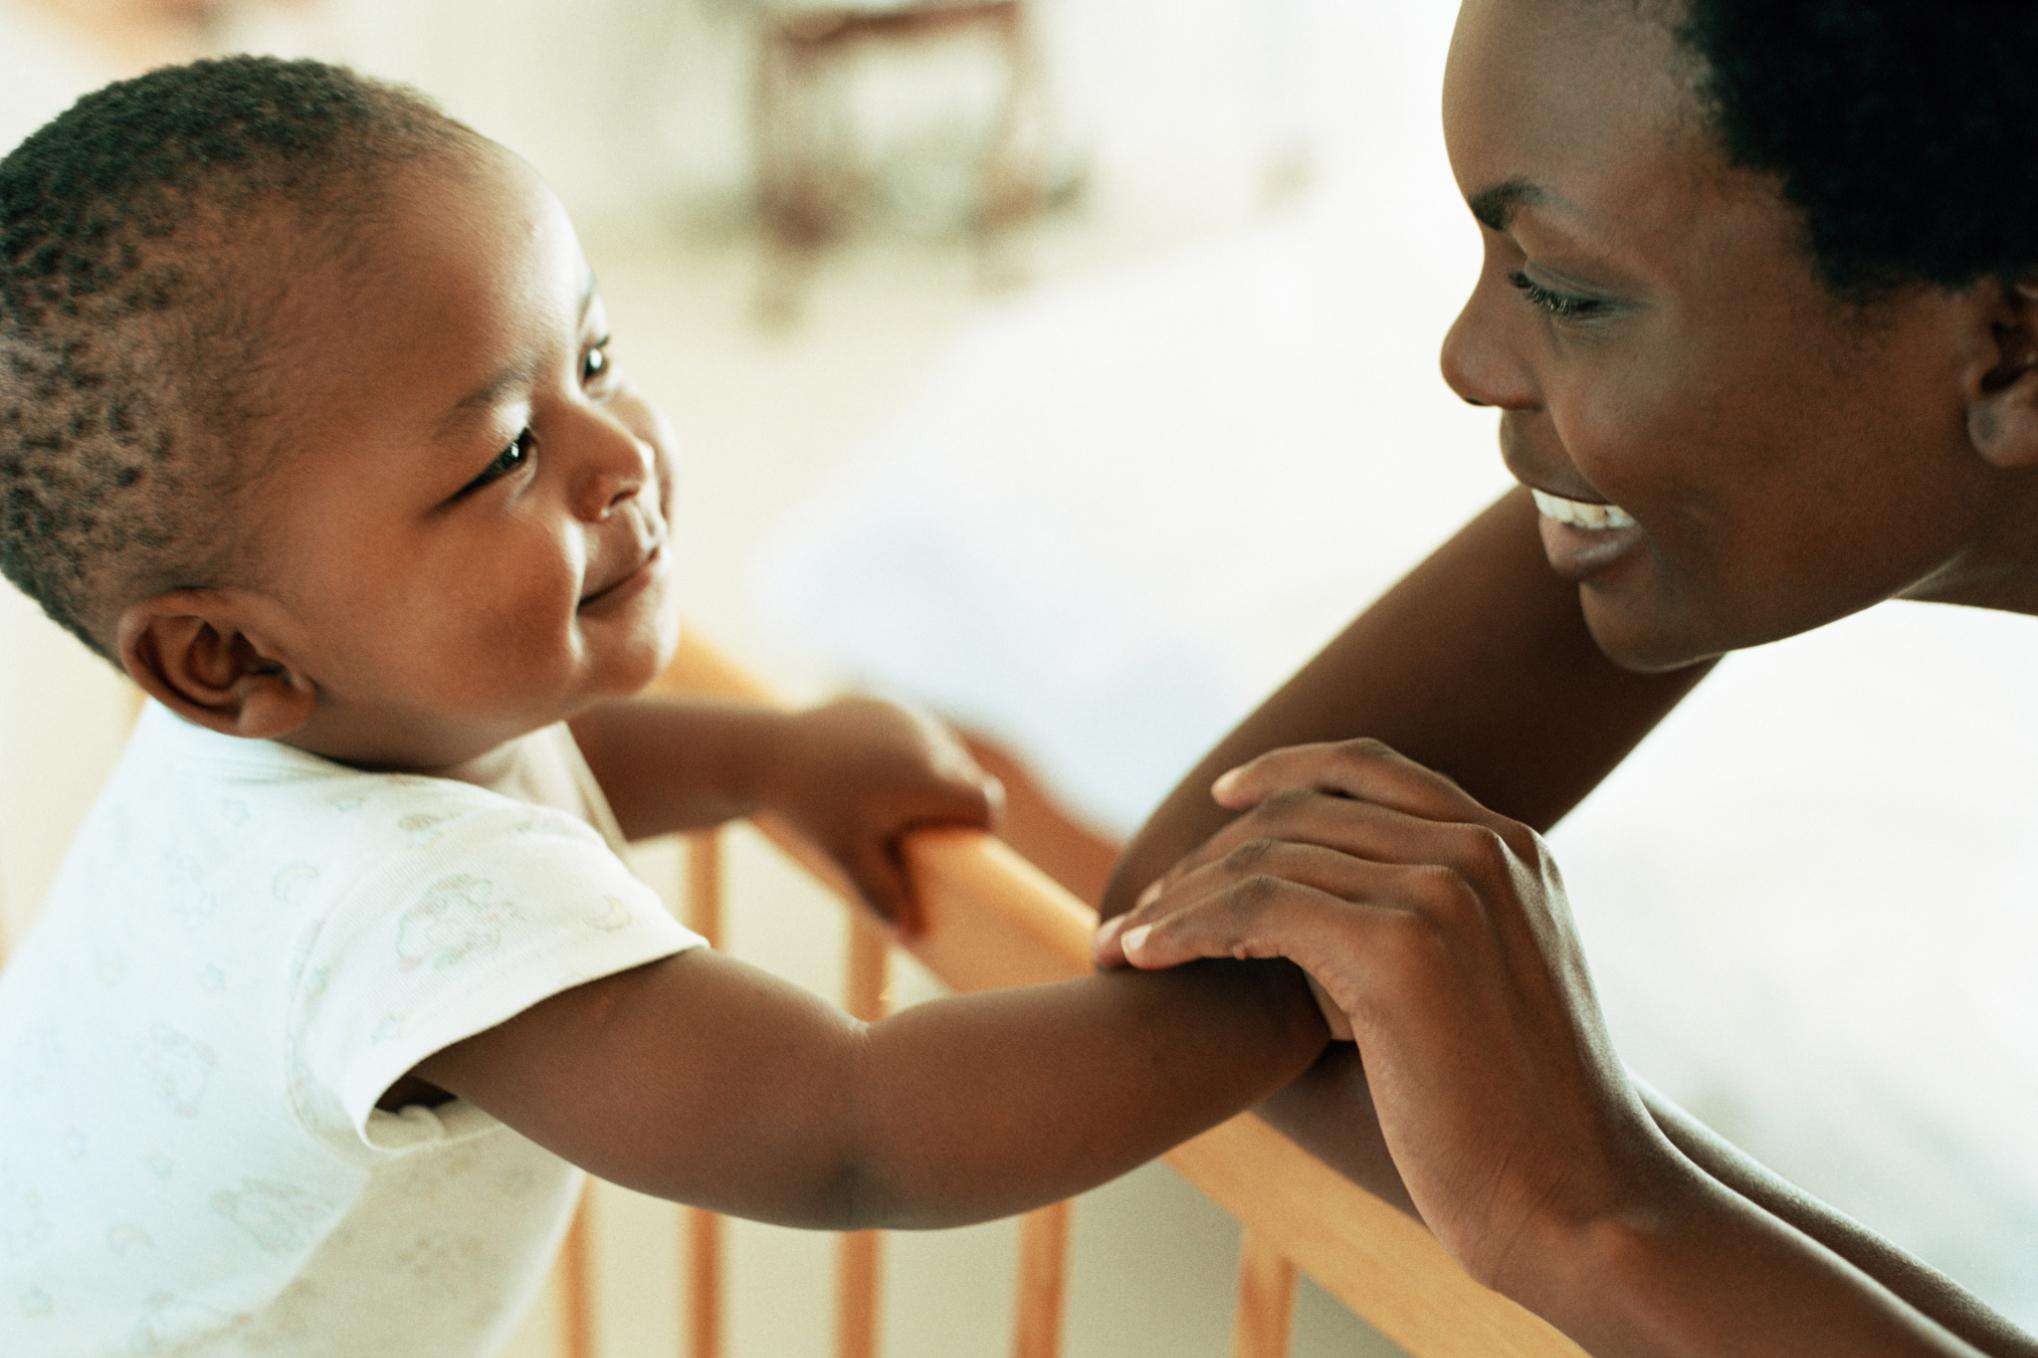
(247, 946)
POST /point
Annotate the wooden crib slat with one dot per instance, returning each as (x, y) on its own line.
(858, 1262)
(1266, 1301)
(576, 1277)
(701, 908)
(703, 1290)
(1043, 1282)
(993, 919)
(858, 1274)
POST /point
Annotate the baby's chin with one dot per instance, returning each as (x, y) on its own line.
(639, 648)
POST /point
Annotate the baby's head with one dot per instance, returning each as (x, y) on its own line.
(307, 420)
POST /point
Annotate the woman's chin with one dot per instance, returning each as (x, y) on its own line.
(1641, 644)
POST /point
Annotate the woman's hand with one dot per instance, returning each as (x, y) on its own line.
(1439, 931)
(857, 774)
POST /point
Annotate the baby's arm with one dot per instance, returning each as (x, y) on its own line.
(668, 764)
(703, 1080)
(850, 777)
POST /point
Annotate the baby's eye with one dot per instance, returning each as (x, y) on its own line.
(508, 460)
(597, 361)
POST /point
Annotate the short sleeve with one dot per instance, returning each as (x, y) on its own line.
(476, 915)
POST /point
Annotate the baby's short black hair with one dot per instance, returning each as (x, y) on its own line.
(1905, 131)
(138, 388)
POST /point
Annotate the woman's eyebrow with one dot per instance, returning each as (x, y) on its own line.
(1496, 205)
(523, 371)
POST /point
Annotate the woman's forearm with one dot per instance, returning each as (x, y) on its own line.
(1478, 664)
(1924, 1288)
(1710, 1272)
(983, 1105)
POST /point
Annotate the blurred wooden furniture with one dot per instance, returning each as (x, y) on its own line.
(133, 36)
(804, 150)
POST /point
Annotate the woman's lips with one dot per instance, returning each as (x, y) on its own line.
(1580, 513)
(1582, 537)
(1577, 554)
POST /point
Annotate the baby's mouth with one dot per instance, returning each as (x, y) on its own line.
(644, 561)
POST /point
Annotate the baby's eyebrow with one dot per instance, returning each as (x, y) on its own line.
(520, 373)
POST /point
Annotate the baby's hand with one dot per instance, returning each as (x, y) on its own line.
(858, 773)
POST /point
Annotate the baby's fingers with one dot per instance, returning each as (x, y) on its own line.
(968, 797)
(879, 877)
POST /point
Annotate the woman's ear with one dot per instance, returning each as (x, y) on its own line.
(200, 654)
(2002, 387)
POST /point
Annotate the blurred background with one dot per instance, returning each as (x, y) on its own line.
(1069, 366)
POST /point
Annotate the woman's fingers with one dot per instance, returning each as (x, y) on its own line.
(1284, 920)
(1484, 851)
(1363, 768)
(1259, 888)
(1344, 869)
(1299, 816)
(1338, 943)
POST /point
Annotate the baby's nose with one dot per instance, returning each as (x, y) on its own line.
(618, 470)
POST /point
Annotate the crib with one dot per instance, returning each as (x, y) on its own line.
(992, 920)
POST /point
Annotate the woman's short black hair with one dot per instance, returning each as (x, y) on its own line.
(1905, 130)
(138, 365)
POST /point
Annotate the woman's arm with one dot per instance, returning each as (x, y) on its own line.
(1440, 933)
(1478, 664)
(1923, 1287)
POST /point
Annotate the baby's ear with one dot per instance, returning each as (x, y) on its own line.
(2002, 387)
(200, 653)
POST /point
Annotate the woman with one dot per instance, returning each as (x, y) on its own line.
(1759, 312)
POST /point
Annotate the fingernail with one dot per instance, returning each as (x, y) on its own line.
(1136, 939)
(1148, 896)
(1223, 786)
(1108, 930)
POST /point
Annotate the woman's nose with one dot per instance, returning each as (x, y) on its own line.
(1479, 361)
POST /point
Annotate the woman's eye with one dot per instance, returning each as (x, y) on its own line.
(1562, 305)
(508, 460)
(596, 363)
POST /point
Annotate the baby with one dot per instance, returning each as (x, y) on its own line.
(309, 423)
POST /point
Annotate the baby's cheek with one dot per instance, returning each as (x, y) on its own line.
(508, 647)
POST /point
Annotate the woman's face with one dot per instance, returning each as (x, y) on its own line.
(1648, 321)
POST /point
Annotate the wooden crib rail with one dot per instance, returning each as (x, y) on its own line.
(994, 920)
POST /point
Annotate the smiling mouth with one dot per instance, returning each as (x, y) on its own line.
(1579, 513)
(650, 559)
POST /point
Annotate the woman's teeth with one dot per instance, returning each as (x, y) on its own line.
(1579, 514)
